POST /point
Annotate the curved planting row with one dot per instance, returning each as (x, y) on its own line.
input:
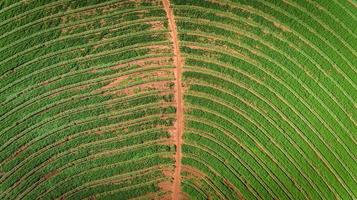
(270, 99)
(91, 99)
(86, 100)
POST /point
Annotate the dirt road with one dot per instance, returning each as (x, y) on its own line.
(179, 124)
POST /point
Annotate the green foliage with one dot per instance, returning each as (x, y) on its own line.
(87, 108)
(61, 128)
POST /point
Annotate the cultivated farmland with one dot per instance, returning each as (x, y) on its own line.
(178, 99)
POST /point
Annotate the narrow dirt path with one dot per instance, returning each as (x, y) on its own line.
(179, 124)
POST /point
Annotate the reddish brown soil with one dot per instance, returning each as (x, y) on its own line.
(141, 63)
(194, 172)
(51, 174)
(145, 62)
(179, 124)
(20, 150)
(229, 184)
(156, 25)
(166, 185)
(115, 83)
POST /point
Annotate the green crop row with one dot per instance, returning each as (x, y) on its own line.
(63, 133)
(98, 173)
(279, 78)
(305, 146)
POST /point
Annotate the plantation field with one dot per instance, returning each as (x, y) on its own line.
(178, 99)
